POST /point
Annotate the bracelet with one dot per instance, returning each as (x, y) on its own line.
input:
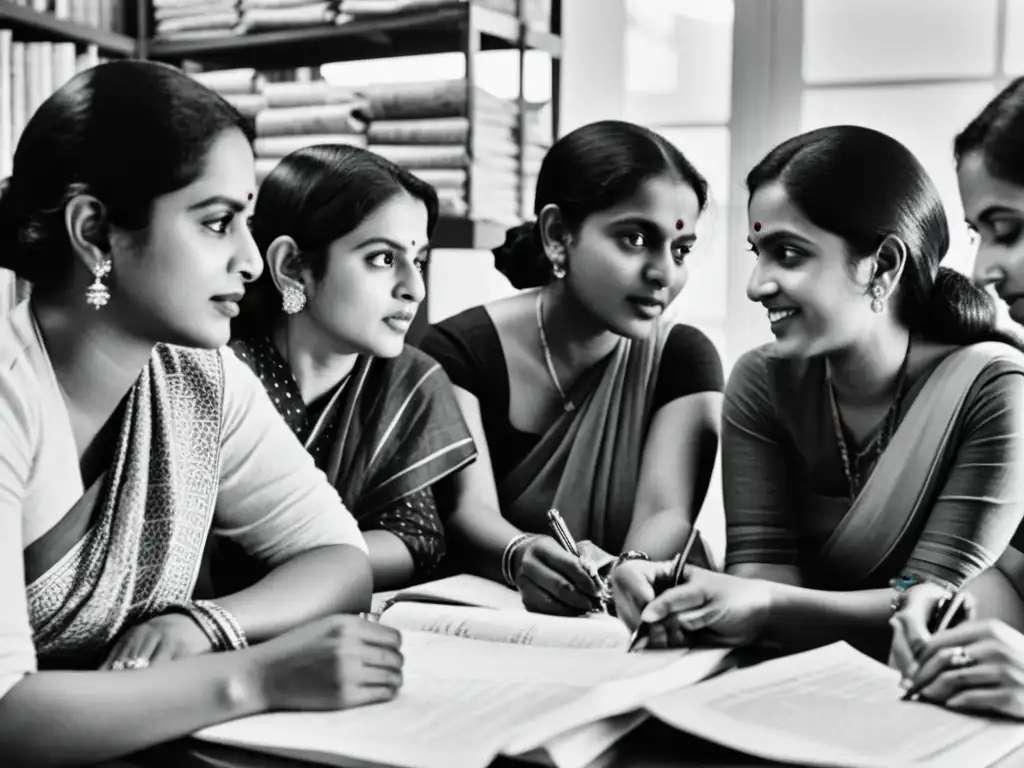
(220, 626)
(506, 558)
(901, 584)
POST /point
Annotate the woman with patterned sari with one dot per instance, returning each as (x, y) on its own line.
(877, 443)
(978, 666)
(127, 431)
(580, 396)
(345, 236)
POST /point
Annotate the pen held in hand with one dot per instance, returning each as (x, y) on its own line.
(946, 610)
(638, 640)
(568, 543)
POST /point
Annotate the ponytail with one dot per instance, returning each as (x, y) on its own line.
(958, 312)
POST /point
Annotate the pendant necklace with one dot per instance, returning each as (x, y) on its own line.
(567, 404)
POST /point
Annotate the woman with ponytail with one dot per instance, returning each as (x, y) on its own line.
(876, 444)
(579, 395)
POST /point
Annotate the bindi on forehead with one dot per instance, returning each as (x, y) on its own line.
(757, 226)
(679, 223)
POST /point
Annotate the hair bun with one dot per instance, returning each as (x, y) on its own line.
(960, 312)
(521, 258)
(10, 246)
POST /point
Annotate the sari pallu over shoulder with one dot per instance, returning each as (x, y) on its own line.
(892, 508)
(132, 544)
(587, 464)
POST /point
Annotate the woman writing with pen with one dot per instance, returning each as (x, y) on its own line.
(979, 664)
(877, 444)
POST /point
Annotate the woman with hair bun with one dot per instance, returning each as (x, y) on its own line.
(128, 432)
(580, 396)
(878, 442)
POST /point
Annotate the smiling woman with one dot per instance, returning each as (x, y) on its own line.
(579, 395)
(345, 234)
(880, 439)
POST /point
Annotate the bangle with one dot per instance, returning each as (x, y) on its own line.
(220, 626)
(506, 558)
(901, 584)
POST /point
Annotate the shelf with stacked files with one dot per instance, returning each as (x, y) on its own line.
(436, 29)
(32, 25)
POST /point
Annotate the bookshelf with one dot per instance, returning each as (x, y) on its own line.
(466, 27)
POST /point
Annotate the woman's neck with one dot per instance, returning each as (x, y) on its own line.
(576, 339)
(95, 361)
(867, 372)
(316, 363)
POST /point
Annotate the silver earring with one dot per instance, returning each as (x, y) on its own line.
(558, 271)
(97, 295)
(877, 305)
(293, 299)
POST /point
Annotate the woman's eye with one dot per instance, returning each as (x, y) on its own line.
(635, 240)
(220, 226)
(383, 260)
(1005, 232)
(681, 252)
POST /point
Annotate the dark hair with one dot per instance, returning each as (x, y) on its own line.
(125, 132)
(591, 169)
(316, 195)
(863, 186)
(998, 134)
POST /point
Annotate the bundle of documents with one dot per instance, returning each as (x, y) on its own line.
(481, 682)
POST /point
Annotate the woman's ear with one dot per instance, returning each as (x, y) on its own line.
(285, 265)
(85, 219)
(554, 236)
(890, 261)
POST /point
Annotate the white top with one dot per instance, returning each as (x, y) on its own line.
(272, 499)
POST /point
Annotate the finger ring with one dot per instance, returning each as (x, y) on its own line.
(133, 663)
(961, 657)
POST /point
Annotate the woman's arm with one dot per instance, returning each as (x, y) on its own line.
(678, 460)
(406, 540)
(476, 518)
(757, 479)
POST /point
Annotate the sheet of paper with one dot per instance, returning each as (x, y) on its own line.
(463, 702)
(464, 589)
(516, 627)
(832, 707)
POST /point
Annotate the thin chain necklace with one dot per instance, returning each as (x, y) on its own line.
(881, 439)
(567, 404)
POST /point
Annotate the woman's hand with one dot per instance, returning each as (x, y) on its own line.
(989, 677)
(553, 581)
(910, 633)
(713, 608)
(635, 583)
(160, 639)
(334, 663)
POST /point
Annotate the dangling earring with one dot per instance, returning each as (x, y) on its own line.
(876, 302)
(293, 299)
(558, 271)
(97, 295)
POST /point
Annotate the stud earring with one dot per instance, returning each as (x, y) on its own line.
(97, 295)
(876, 302)
(293, 299)
(558, 271)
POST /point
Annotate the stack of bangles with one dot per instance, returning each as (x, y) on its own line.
(220, 627)
(506, 557)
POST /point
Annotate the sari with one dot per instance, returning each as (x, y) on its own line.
(587, 464)
(383, 436)
(132, 544)
(887, 524)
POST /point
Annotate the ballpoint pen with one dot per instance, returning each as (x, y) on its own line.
(678, 564)
(568, 543)
(945, 611)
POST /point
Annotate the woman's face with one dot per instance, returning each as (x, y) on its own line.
(373, 283)
(627, 263)
(180, 280)
(994, 209)
(802, 276)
